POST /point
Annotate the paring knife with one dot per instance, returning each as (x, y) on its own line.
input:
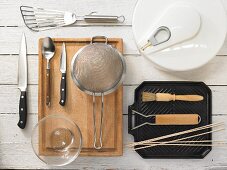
(63, 76)
(22, 83)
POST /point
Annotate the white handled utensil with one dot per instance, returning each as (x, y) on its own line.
(171, 28)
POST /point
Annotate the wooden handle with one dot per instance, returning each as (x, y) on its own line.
(48, 87)
(192, 98)
(177, 119)
(173, 97)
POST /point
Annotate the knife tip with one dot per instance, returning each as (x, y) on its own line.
(23, 36)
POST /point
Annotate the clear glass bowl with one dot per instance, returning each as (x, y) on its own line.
(56, 140)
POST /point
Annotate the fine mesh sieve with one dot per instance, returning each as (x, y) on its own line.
(98, 69)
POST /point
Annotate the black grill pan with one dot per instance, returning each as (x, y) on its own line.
(203, 108)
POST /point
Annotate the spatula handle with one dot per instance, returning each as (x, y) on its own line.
(48, 87)
(103, 18)
(177, 119)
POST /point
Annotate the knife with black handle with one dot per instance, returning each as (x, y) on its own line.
(63, 76)
(22, 83)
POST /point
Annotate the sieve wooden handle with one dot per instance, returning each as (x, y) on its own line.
(173, 97)
(177, 119)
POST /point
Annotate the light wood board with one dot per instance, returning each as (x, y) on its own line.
(78, 105)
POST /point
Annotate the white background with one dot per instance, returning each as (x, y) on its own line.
(15, 149)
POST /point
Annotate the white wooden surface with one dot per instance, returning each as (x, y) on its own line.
(15, 149)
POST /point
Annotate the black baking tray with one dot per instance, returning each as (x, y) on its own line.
(203, 108)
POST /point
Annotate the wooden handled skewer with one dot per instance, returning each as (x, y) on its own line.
(189, 141)
(180, 133)
(147, 97)
(192, 144)
(180, 139)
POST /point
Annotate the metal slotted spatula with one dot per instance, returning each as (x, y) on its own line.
(39, 19)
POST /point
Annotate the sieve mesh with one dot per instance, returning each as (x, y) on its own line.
(98, 68)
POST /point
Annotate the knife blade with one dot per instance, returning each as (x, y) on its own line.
(63, 76)
(22, 82)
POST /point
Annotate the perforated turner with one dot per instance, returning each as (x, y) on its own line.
(170, 119)
(40, 19)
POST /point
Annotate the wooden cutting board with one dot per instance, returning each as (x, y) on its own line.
(78, 105)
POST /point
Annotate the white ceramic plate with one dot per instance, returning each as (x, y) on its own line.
(192, 53)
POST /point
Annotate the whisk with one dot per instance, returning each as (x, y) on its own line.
(40, 19)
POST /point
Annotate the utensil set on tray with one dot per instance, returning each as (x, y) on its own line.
(97, 69)
(173, 120)
(98, 115)
(48, 51)
(165, 114)
(86, 73)
(170, 119)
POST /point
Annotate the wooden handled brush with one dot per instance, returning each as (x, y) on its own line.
(147, 97)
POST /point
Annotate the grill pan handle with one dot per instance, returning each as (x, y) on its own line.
(130, 119)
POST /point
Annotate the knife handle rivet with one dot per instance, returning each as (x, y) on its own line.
(21, 109)
(63, 78)
(21, 122)
(22, 97)
(62, 89)
(62, 101)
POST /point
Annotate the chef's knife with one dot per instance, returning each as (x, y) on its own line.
(22, 83)
(63, 76)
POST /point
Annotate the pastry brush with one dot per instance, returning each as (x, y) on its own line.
(147, 97)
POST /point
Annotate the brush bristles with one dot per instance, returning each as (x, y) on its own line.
(147, 96)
